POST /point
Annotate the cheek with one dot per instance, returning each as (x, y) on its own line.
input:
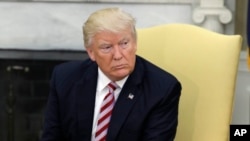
(130, 57)
(103, 60)
(132, 51)
(133, 47)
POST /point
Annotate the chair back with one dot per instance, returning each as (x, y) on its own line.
(206, 63)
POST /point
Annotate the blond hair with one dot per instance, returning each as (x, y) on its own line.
(109, 19)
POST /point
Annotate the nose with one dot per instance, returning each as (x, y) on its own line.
(117, 54)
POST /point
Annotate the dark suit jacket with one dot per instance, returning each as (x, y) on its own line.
(151, 115)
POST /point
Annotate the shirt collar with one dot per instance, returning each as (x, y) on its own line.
(103, 81)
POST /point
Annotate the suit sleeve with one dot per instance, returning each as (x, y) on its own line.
(162, 123)
(51, 129)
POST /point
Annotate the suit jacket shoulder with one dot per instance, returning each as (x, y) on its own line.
(153, 73)
(67, 74)
(148, 99)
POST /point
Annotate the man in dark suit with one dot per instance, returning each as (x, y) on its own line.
(143, 99)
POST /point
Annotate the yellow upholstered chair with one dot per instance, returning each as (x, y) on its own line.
(206, 64)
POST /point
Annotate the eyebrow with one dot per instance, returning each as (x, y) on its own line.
(104, 44)
(124, 39)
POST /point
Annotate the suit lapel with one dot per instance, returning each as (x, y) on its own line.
(86, 91)
(125, 101)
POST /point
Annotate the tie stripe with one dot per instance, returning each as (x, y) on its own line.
(105, 114)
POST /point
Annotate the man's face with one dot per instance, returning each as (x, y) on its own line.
(114, 53)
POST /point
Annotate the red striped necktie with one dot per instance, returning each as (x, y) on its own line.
(105, 113)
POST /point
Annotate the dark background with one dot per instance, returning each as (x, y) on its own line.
(24, 88)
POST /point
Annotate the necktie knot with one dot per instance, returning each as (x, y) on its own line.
(112, 86)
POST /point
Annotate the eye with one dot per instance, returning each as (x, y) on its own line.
(124, 44)
(106, 48)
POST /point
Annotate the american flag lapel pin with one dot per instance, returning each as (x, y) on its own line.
(130, 96)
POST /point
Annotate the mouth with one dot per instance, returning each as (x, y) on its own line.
(119, 66)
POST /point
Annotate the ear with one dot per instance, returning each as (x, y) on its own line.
(90, 53)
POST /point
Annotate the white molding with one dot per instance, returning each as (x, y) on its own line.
(212, 3)
(127, 1)
(224, 14)
(212, 15)
(63, 22)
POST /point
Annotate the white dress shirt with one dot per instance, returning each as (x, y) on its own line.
(101, 91)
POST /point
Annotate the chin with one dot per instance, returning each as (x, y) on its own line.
(120, 76)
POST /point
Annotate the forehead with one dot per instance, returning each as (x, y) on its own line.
(106, 36)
